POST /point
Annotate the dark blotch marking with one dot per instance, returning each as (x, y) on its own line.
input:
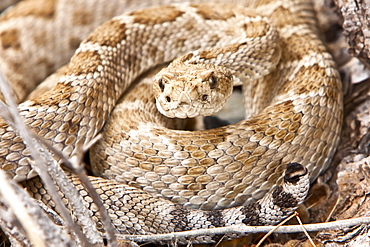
(215, 217)
(294, 172)
(156, 15)
(82, 18)
(217, 51)
(10, 39)
(109, 34)
(38, 8)
(84, 63)
(282, 199)
(216, 12)
(180, 219)
(251, 213)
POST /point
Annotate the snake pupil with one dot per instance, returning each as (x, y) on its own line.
(212, 82)
(204, 97)
(168, 99)
(161, 84)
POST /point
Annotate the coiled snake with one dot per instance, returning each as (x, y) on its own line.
(291, 87)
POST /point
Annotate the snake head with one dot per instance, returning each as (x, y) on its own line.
(190, 90)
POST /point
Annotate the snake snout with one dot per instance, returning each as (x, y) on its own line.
(184, 99)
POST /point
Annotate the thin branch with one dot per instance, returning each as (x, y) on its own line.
(28, 222)
(18, 206)
(75, 165)
(81, 173)
(43, 160)
(304, 230)
(244, 229)
(275, 228)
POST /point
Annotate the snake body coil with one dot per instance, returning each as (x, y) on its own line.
(292, 135)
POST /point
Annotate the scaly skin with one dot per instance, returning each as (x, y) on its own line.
(298, 119)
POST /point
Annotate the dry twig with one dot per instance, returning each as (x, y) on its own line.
(244, 229)
(18, 206)
(276, 227)
(45, 164)
(75, 165)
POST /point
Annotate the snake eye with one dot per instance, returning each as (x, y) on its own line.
(161, 83)
(168, 99)
(212, 82)
(204, 97)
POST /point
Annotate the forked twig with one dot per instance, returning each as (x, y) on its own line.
(275, 228)
(304, 230)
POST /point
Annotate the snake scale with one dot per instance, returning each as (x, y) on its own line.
(157, 179)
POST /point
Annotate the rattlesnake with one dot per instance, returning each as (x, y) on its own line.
(297, 119)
